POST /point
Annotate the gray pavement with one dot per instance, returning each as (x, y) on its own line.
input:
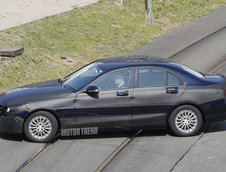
(222, 69)
(152, 151)
(76, 154)
(14, 151)
(17, 12)
(208, 154)
(205, 54)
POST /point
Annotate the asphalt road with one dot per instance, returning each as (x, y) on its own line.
(77, 154)
(152, 150)
(14, 151)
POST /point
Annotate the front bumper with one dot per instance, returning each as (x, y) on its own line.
(11, 124)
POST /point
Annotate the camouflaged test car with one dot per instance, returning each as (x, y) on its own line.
(132, 92)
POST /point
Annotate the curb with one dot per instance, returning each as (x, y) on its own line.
(195, 41)
(175, 41)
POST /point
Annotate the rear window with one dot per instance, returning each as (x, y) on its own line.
(193, 72)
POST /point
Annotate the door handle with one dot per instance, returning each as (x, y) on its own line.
(122, 93)
(172, 90)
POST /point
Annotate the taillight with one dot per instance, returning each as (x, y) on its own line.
(224, 91)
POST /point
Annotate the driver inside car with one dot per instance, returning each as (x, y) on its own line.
(119, 81)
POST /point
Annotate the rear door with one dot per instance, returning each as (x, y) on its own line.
(157, 90)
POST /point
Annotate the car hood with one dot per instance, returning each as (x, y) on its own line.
(34, 92)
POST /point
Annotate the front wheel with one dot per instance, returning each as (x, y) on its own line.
(40, 127)
(185, 120)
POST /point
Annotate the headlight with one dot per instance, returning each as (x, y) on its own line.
(8, 109)
(11, 110)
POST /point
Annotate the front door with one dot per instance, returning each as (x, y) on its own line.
(111, 108)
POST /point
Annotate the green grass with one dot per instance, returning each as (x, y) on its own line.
(88, 33)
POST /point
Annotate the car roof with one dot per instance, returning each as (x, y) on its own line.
(133, 61)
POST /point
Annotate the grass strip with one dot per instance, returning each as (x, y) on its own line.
(85, 34)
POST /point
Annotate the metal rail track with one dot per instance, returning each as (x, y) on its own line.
(217, 67)
(128, 139)
(116, 151)
(37, 154)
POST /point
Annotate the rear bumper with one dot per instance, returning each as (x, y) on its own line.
(217, 117)
(215, 112)
(11, 124)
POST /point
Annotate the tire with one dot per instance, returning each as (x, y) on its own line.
(40, 127)
(185, 120)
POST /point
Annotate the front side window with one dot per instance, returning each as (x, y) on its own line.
(84, 76)
(150, 77)
(114, 81)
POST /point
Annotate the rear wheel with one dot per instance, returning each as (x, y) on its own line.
(185, 120)
(40, 127)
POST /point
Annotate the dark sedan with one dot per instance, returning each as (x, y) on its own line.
(131, 92)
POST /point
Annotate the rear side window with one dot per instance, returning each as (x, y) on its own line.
(173, 79)
(150, 77)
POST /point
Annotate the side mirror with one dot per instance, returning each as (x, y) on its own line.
(92, 90)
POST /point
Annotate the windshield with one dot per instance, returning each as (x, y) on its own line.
(83, 76)
(199, 75)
